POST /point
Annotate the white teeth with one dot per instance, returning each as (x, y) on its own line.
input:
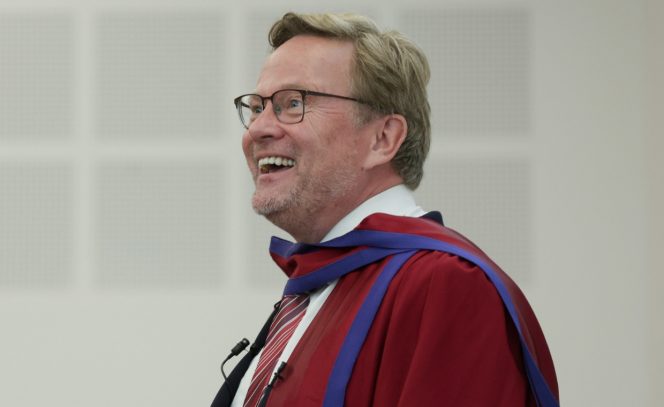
(274, 160)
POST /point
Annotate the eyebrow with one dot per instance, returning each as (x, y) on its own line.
(292, 86)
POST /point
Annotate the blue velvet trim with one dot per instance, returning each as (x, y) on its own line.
(343, 366)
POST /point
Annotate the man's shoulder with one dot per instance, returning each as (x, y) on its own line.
(439, 273)
(436, 293)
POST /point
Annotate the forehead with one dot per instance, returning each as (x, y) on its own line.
(310, 62)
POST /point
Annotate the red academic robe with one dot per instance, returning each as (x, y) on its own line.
(441, 336)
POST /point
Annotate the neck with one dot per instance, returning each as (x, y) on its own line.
(311, 224)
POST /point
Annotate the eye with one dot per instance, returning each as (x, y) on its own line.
(256, 108)
(294, 103)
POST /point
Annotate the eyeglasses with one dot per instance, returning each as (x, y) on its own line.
(287, 104)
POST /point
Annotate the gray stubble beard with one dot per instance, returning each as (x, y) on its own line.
(291, 213)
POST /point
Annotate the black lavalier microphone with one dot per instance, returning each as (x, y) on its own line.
(242, 345)
(270, 385)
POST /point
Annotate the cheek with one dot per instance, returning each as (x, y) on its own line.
(247, 148)
(355, 151)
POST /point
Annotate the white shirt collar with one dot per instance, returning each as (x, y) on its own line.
(398, 201)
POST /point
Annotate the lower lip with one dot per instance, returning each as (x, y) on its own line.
(272, 176)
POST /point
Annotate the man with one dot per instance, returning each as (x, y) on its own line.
(384, 305)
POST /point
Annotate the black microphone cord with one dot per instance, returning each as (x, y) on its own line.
(258, 343)
(268, 389)
(237, 349)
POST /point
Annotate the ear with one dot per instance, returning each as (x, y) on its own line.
(388, 133)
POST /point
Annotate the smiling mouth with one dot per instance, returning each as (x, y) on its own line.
(271, 164)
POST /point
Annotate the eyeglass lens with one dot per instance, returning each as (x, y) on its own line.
(288, 106)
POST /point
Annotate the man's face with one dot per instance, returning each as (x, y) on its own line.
(326, 148)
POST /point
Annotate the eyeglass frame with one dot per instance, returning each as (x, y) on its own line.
(303, 92)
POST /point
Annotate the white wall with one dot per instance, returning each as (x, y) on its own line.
(130, 262)
(655, 197)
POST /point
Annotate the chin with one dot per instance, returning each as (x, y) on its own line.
(269, 205)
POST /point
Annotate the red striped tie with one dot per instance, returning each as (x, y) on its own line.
(290, 313)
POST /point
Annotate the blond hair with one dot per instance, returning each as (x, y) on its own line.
(390, 74)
